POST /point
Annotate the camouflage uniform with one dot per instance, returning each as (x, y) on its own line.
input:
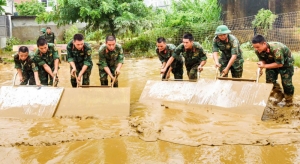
(177, 65)
(27, 67)
(109, 59)
(228, 49)
(192, 57)
(280, 54)
(46, 58)
(49, 37)
(80, 58)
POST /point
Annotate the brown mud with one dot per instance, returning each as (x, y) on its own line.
(165, 132)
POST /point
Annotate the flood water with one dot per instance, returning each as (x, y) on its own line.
(153, 133)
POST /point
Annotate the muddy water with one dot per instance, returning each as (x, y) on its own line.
(154, 133)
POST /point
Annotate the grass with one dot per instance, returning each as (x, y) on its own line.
(296, 56)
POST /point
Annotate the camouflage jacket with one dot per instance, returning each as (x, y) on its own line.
(49, 37)
(46, 58)
(167, 53)
(278, 53)
(27, 65)
(81, 57)
(192, 57)
(227, 48)
(110, 58)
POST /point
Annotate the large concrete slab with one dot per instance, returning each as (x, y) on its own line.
(29, 101)
(234, 96)
(95, 102)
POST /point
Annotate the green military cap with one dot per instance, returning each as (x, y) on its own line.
(43, 30)
(222, 29)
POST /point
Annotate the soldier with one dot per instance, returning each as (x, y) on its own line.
(80, 60)
(231, 56)
(25, 65)
(164, 52)
(277, 59)
(110, 60)
(46, 58)
(194, 55)
(43, 30)
(49, 36)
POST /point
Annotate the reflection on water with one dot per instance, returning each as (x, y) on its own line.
(175, 133)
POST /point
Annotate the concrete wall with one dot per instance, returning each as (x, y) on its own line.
(25, 28)
(233, 9)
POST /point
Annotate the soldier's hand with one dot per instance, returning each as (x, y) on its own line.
(21, 79)
(261, 64)
(163, 70)
(225, 71)
(55, 72)
(200, 68)
(217, 65)
(73, 71)
(117, 72)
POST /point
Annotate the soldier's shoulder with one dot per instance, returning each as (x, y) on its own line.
(197, 45)
(87, 46)
(216, 39)
(180, 46)
(171, 46)
(102, 48)
(118, 46)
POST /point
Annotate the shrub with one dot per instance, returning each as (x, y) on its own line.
(69, 33)
(10, 42)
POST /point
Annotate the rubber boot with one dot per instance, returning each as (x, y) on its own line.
(288, 100)
(278, 96)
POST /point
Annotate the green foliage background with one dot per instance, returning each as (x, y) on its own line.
(30, 8)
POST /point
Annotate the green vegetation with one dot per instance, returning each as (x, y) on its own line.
(69, 33)
(264, 20)
(10, 42)
(114, 17)
(296, 56)
(30, 8)
(2, 3)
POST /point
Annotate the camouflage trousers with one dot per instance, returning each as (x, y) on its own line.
(177, 69)
(103, 76)
(192, 72)
(236, 68)
(45, 78)
(85, 76)
(28, 78)
(286, 75)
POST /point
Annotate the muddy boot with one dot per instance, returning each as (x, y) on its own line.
(278, 96)
(288, 100)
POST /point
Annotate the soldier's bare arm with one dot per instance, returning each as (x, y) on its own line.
(48, 70)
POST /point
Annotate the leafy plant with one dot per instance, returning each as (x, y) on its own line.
(10, 42)
(2, 3)
(264, 20)
(112, 16)
(30, 8)
(95, 35)
(69, 33)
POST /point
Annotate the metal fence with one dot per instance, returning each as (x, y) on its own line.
(286, 29)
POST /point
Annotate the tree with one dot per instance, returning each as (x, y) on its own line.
(30, 8)
(2, 3)
(111, 16)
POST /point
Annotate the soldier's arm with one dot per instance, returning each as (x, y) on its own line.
(70, 59)
(48, 70)
(234, 53)
(102, 61)
(36, 78)
(120, 61)
(203, 59)
(56, 60)
(215, 50)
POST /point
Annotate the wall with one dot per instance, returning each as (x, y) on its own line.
(25, 28)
